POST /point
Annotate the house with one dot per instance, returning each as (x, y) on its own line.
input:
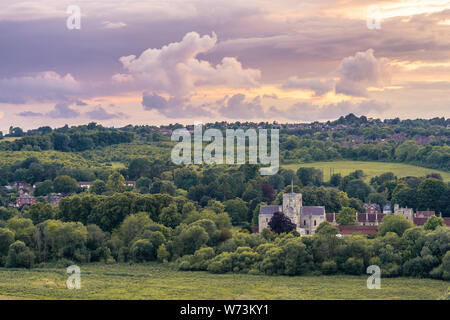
(362, 219)
(22, 185)
(372, 208)
(84, 184)
(25, 199)
(130, 183)
(54, 198)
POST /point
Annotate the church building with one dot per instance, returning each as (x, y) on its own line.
(306, 218)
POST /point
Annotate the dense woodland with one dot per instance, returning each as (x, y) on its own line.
(199, 217)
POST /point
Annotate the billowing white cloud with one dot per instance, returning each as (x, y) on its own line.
(361, 71)
(175, 69)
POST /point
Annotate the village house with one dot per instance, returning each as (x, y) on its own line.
(25, 199)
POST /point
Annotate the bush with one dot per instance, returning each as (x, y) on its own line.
(19, 256)
(221, 264)
(142, 250)
(329, 267)
(354, 266)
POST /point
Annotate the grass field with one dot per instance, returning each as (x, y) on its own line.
(371, 169)
(157, 281)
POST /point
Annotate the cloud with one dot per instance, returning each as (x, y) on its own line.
(62, 111)
(120, 77)
(361, 71)
(237, 107)
(173, 107)
(99, 113)
(28, 114)
(318, 86)
(175, 69)
(113, 25)
(307, 111)
(44, 86)
(80, 103)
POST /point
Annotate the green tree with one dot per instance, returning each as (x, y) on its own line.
(43, 188)
(19, 256)
(170, 217)
(65, 184)
(357, 188)
(23, 229)
(346, 216)
(429, 194)
(6, 239)
(185, 178)
(433, 222)
(394, 223)
(98, 187)
(116, 182)
(237, 209)
(39, 212)
(310, 176)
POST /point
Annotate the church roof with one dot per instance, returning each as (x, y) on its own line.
(269, 209)
(312, 210)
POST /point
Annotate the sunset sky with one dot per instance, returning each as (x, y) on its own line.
(165, 61)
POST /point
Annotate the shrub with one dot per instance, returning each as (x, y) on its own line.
(19, 256)
(329, 267)
(354, 266)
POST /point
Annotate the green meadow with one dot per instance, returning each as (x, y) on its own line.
(159, 281)
(371, 169)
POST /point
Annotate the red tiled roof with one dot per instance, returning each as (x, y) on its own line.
(425, 213)
(420, 221)
(349, 230)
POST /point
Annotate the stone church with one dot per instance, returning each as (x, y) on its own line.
(306, 218)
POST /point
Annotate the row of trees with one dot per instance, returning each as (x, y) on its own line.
(78, 141)
(397, 251)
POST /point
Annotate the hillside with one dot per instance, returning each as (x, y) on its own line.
(370, 168)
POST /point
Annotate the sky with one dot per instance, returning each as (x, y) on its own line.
(165, 61)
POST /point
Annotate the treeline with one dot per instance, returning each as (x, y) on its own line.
(31, 170)
(122, 227)
(294, 148)
(73, 142)
(174, 230)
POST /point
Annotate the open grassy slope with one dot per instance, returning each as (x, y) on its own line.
(157, 281)
(371, 169)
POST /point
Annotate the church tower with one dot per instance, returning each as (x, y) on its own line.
(292, 203)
